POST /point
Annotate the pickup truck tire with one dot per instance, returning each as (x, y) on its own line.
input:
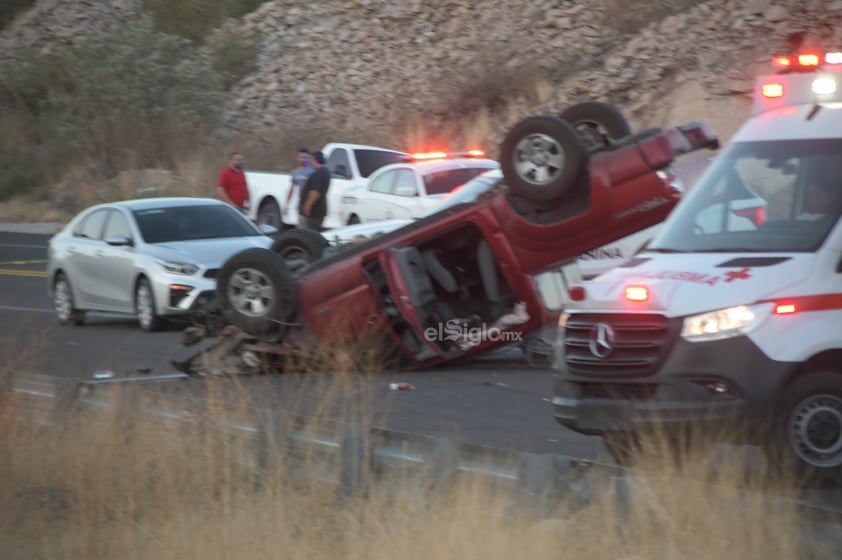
(256, 293)
(598, 123)
(807, 444)
(269, 214)
(302, 244)
(543, 158)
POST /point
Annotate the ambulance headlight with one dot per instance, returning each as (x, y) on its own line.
(724, 323)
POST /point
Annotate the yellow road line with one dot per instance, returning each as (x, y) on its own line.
(30, 273)
(22, 262)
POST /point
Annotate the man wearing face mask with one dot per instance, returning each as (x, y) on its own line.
(232, 184)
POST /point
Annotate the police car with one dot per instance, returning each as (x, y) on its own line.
(409, 189)
(730, 321)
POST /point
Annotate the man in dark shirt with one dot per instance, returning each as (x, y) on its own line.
(312, 207)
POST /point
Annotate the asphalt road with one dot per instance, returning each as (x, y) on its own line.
(497, 400)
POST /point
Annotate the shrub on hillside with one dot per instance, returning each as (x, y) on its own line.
(195, 19)
(17, 173)
(130, 98)
(234, 56)
(11, 8)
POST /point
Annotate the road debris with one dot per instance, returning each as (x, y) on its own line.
(401, 387)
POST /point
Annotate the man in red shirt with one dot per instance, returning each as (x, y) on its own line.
(232, 184)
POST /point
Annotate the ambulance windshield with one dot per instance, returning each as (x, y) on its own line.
(771, 196)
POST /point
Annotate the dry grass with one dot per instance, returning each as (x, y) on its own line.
(121, 483)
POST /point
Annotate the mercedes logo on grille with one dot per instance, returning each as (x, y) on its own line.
(602, 340)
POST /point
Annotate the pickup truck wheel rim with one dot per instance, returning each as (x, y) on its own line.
(250, 292)
(815, 430)
(539, 159)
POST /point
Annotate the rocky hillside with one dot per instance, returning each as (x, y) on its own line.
(371, 71)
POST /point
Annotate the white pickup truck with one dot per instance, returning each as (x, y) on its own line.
(349, 165)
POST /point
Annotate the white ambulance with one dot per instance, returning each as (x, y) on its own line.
(731, 318)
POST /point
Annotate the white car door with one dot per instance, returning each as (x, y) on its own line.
(405, 201)
(374, 202)
(81, 262)
(116, 258)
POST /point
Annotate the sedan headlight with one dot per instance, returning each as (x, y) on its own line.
(724, 323)
(188, 269)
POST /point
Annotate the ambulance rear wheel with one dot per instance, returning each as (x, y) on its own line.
(543, 158)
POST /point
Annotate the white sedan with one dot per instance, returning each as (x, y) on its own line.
(408, 190)
(154, 258)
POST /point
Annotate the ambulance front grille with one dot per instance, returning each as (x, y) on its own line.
(619, 345)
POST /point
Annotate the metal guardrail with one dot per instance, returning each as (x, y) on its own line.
(355, 455)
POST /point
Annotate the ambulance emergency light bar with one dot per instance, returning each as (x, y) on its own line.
(804, 79)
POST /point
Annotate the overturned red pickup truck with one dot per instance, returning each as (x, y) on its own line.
(466, 279)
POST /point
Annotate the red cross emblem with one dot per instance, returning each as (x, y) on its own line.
(741, 274)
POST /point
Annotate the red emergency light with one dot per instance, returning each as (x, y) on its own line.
(806, 61)
(637, 293)
(577, 293)
(785, 309)
(772, 90)
(427, 156)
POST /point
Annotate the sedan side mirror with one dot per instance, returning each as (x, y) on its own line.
(406, 190)
(119, 241)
